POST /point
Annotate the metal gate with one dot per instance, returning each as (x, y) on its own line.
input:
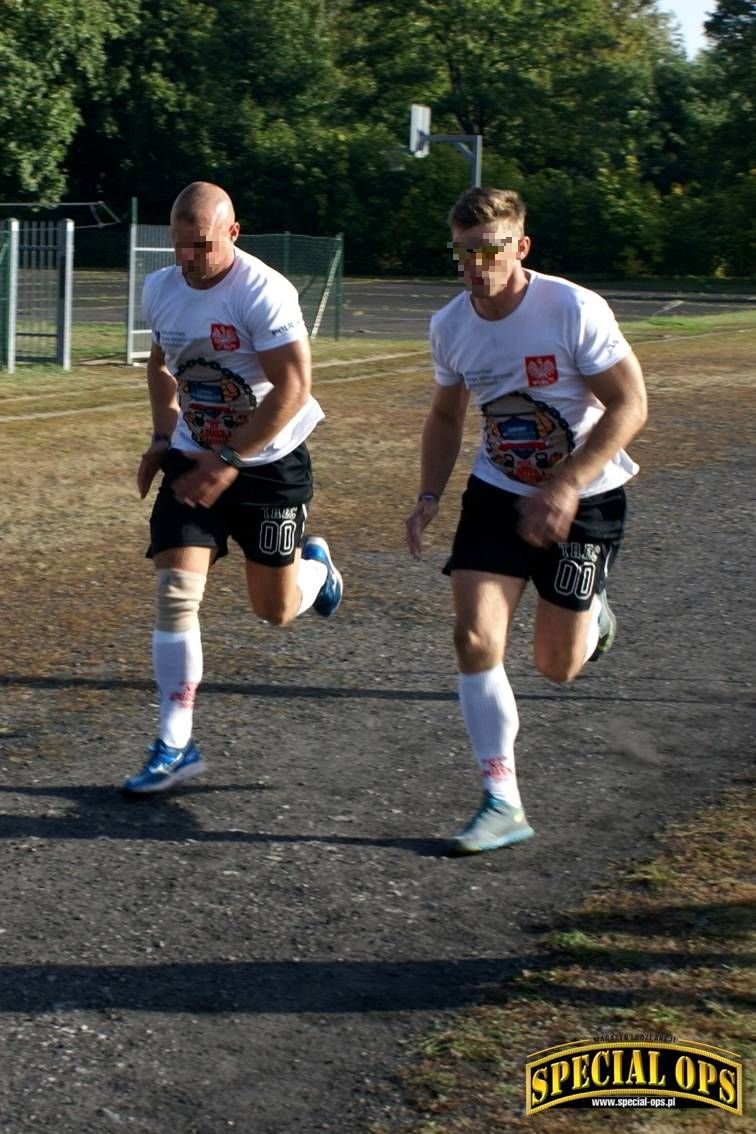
(8, 293)
(36, 285)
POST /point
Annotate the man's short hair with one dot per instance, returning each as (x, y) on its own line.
(200, 200)
(488, 206)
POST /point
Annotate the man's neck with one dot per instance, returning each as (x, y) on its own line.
(211, 281)
(506, 301)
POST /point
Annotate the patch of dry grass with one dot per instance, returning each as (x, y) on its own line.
(667, 946)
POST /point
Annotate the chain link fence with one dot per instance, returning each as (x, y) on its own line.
(52, 310)
(314, 264)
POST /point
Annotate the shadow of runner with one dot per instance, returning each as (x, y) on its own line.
(577, 692)
(275, 987)
(101, 813)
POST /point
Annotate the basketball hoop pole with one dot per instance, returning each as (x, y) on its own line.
(471, 148)
(469, 145)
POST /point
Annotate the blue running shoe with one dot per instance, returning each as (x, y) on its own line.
(495, 824)
(165, 768)
(329, 595)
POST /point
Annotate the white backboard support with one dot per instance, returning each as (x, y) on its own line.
(419, 135)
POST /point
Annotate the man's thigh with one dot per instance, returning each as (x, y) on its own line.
(568, 574)
(483, 608)
(175, 526)
(486, 539)
(270, 536)
(560, 640)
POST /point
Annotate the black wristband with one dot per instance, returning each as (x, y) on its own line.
(161, 437)
(429, 496)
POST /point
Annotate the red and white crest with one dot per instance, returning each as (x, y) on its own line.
(541, 369)
(224, 336)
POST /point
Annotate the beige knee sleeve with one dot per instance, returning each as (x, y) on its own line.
(178, 598)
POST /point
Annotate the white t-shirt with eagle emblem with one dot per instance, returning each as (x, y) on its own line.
(210, 338)
(526, 374)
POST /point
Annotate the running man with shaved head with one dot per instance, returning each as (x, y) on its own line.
(229, 383)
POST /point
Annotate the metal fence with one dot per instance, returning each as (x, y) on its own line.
(314, 264)
(8, 293)
(36, 292)
(41, 296)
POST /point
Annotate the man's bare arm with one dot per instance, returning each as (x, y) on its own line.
(441, 441)
(161, 386)
(288, 368)
(547, 517)
(162, 390)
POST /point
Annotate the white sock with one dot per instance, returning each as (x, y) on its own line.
(311, 576)
(177, 660)
(593, 631)
(490, 715)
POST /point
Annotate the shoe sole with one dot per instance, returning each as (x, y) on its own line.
(187, 773)
(458, 849)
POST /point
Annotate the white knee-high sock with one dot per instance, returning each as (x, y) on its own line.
(310, 578)
(490, 715)
(177, 660)
(593, 631)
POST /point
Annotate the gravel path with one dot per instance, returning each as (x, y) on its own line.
(250, 953)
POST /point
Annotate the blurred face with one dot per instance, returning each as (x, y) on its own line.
(204, 250)
(487, 256)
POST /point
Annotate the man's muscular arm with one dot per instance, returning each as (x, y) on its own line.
(442, 437)
(547, 517)
(161, 386)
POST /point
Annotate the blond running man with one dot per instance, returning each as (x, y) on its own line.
(229, 384)
(561, 394)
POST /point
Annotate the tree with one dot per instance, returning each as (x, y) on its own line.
(51, 53)
(204, 90)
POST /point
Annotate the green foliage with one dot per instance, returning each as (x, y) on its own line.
(52, 52)
(624, 150)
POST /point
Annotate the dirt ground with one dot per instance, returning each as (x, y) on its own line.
(251, 953)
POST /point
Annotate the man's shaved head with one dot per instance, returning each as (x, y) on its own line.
(204, 231)
(203, 201)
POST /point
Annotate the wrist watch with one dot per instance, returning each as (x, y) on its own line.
(230, 457)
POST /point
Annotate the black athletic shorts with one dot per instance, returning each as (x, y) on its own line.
(568, 573)
(263, 510)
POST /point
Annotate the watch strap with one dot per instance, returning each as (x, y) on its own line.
(231, 457)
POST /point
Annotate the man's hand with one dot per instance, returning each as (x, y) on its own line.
(424, 512)
(204, 483)
(149, 466)
(547, 517)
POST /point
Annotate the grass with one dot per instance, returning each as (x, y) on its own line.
(668, 326)
(666, 946)
(98, 340)
(107, 341)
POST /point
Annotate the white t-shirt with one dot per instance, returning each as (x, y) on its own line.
(525, 372)
(210, 338)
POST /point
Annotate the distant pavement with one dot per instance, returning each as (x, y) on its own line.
(400, 309)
